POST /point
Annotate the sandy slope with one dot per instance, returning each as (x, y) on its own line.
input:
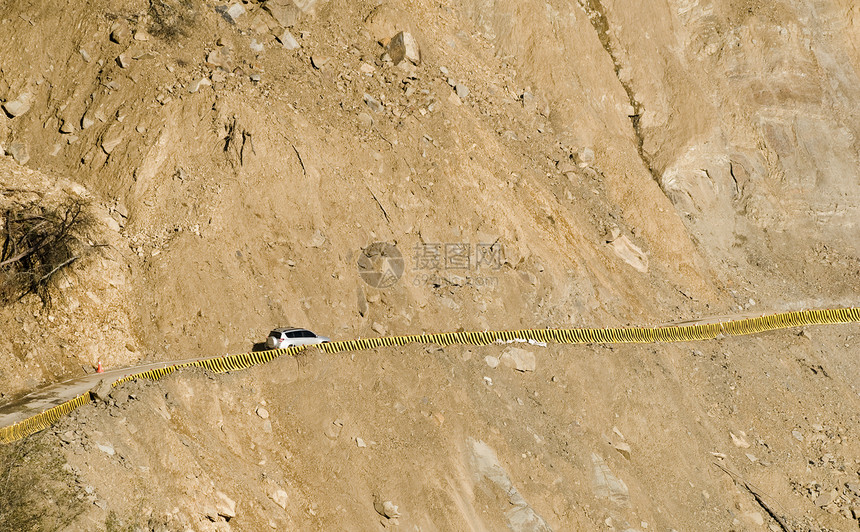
(640, 163)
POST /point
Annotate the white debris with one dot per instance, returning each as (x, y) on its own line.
(521, 341)
(287, 39)
(236, 10)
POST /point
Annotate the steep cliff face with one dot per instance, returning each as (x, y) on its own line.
(744, 114)
(540, 164)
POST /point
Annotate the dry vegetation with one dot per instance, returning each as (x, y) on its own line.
(37, 492)
(39, 242)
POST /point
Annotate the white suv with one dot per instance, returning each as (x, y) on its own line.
(283, 337)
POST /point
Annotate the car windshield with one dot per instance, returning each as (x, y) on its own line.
(276, 334)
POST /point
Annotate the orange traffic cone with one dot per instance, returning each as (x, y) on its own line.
(100, 369)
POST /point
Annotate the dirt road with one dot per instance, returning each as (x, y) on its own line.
(56, 394)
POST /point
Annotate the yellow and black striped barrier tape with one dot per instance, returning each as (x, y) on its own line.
(672, 333)
(41, 421)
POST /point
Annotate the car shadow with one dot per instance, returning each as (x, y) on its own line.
(259, 346)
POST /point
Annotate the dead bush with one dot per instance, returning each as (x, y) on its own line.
(171, 19)
(39, 241)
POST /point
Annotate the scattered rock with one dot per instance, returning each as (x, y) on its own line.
(109, 144)
(403, 47)
(521, 517)
(102, 390)
(365, 120)
(373, 103)
(112, 224)
(262, 412)
(585, 157)
(141, 36)
(607, 485)
(19, 106)
(318, 239)
(255, 77)
(67, 438)
(319, 61)
(280, 497)
(86, 121)
(566, 167)
(261, 24)
(287, 40)
(360, 443)
(284, 12)
(826, 498)
(378, 328)
(119, 33)
(210, 513)
(19, 152)
(196, 84)
(739, 441)
(491, 361)
(84, 55)
(386, 509)
(217, 59)
(519, 359)
(219, 76)
(123, 61)
(462, 90)
(235, 11)
(224, 505)
(256, 46)
(106, 448)
(755, 517)
(528, 101)
(797, 435)
(624, 449)
(67, 127)
(333, 430)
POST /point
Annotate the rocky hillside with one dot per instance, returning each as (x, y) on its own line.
(591, 163)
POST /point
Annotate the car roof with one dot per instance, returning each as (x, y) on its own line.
(286, 329)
